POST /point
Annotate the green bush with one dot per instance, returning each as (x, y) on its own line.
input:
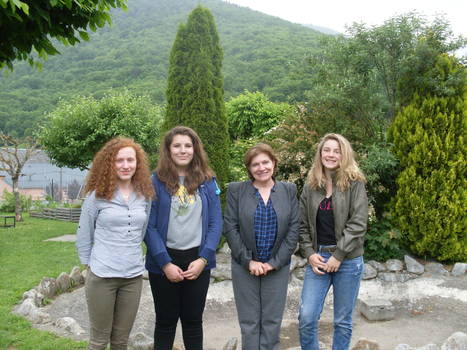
(383, 241)
(8, 203)
(381, 168)
(429, 138)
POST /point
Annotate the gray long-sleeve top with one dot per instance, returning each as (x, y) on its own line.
(110, 234)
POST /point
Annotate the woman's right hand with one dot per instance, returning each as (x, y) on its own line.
(173, 273)
(317, 262)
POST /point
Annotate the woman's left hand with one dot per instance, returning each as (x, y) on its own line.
(195, 269)
(332, 265)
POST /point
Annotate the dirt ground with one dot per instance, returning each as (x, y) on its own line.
(429, 310)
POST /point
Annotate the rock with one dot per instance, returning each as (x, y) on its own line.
(459, 269)
(31, 312)
(76, 277)
(299, 273)
(377, 309)
(140, 341)
(225, 249)
(296, 262)
(69, 324)
(369, 272)
(403, 347)
(380, 267)
(84, 273)
(35, 296)
(394, 277)
(413, 266)
(63, 282)
(47, 287)
(436, 269)
(365, 344)
(429, 347)
(394, 265)
(231, 344)
(457, 341)
(146, 274)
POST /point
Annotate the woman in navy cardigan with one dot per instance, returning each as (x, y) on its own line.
(183, 232)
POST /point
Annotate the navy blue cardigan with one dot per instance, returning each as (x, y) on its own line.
(156, 233)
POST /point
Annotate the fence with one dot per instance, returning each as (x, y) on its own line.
(64, 214)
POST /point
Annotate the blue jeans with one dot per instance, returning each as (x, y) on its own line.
(345, 283)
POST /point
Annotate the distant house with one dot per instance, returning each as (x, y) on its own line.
(39, 174)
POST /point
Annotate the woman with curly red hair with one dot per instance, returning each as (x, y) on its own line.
(112, 225)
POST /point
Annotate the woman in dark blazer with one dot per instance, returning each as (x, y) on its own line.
(261, 223)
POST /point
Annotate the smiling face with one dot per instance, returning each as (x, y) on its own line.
(331, 155)
(181, 151)
(125, 164)
(261, 168)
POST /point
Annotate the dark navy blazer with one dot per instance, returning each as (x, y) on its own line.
(156, 233)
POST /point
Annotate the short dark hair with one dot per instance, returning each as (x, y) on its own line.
(256, 150)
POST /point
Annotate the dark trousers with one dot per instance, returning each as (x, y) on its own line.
(183, 300)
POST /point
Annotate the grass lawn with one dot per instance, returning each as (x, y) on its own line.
(24, 260)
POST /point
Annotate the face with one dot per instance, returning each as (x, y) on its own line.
(331, 155)
(262, 167)
(181, 150)
(125, 163)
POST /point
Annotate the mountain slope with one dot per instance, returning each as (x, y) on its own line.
(259, 53)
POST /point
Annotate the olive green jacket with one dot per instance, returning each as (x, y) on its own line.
(350, 209)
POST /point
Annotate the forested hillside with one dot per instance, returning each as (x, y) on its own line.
(261, 53)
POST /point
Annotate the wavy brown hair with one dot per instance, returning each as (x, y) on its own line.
(348, 168)
(260, 148)
(198, 170)
(103, 178)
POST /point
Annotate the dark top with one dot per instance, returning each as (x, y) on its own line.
(325, 223)
(265, 228)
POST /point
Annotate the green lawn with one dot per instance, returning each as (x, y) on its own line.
(24, 260)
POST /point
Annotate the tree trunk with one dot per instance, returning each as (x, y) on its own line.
(18, 209)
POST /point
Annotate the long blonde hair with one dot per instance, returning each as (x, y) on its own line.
(347, 171)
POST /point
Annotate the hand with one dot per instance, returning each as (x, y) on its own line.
(256, 268)
(317, 263)
(173, 273)
(332, 265)
(195, 269)
(266, 268)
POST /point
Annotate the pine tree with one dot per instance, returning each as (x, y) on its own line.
(429, 138)
(195, 92)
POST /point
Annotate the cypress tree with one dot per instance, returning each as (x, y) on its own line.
(429, 139)
(195, 91)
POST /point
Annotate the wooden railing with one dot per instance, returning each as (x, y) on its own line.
(64, 214)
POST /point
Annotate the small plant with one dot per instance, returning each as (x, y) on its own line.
(383, 241)
(8, 203)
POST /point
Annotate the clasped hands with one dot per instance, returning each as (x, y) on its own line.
(259, 269)
(320, 266)
(176, 274)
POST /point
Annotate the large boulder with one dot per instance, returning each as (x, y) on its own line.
(459, 269)
(63, 282)
(380, 267)
(394, 265)
(435, 268)
(369, 272)
(76, 276)
(140, 341)
(70, 325)
(47, 287)
(35, 296)
(231, 344)
(457, 341)
(413, 266)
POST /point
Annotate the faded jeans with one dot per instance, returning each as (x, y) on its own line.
(345, 283)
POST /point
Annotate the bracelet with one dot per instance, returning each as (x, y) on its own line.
(204, 260)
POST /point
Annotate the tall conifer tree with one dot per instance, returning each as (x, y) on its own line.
(429, 138)
(195, 91)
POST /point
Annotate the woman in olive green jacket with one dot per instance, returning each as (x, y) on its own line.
(334, 213)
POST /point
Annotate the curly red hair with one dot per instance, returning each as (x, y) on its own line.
(103, 178)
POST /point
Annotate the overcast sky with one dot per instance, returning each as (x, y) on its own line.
(336, 14)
